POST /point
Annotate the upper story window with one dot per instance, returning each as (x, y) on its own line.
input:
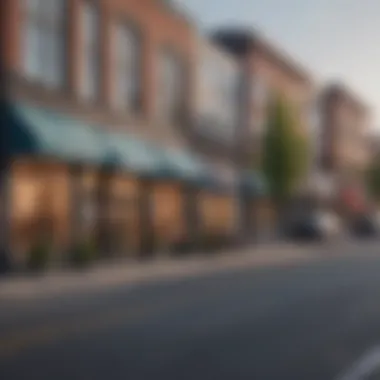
(127, 67)
(90, 48)
(231, 97)
(44, 46)
(219, 82)
(260, 92)
(170, 87)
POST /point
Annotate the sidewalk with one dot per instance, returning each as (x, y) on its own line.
(133, 273)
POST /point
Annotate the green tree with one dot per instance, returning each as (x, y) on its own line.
(373, 179)
(284, 152)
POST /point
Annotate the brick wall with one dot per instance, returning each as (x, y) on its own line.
(345, 123)
(159, 27)
(297, 90)
(278, 73)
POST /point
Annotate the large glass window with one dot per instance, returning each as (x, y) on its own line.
(44, 47)
(170, 87)
(127, 68)
(90, 75)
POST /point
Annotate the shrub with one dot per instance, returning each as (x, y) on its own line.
(38, 258)
(83, 254)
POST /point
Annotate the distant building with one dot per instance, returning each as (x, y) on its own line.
(346, 147)
(345, 132)
(267, 70)
(216, 111)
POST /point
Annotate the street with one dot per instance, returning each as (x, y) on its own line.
(308, 320)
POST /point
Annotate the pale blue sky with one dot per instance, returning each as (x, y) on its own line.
(331, 38)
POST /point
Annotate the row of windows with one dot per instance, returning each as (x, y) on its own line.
(46, 56)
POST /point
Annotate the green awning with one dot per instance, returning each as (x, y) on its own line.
(39, 132)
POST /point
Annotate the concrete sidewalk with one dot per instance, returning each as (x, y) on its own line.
(115, 274)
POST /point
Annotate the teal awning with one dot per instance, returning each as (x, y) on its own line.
(254, 184)
(36, 131)
(182, 165)
(133, 154)
(41, 132)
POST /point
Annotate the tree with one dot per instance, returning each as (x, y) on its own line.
(373, 179)
(284, 152)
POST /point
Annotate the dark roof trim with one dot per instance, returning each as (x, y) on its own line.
(241, 41)
(342, 91)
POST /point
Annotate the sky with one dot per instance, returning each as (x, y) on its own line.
(332, 39)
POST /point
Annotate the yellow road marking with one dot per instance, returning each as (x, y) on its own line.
(86, 322)
(48, 333)
(37, 335)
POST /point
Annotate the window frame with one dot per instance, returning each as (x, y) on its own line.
(91, 53)
(133, 32)
(176, 112)
(52, 61)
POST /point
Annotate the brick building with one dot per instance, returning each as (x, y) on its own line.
(72, 55)
(267, 70)
(345, 122)
(213, 131)
(345, 143)
(98, 103)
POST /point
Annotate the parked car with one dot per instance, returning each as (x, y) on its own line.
(367, 225)
(318, 225)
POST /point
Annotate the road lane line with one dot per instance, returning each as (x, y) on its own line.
(86, 322)
(40, 335)
(364, 367)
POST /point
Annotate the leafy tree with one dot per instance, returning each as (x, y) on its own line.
(284, 152)
(373, 179)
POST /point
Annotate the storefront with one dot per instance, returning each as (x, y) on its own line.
(68, 182)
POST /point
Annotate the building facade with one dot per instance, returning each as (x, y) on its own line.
(108, 135)
(345, 131)
(122, 124)
(345, 148)
(105, 61)
(267, 71)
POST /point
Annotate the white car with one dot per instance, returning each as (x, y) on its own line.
(328, 223)
(317, 225)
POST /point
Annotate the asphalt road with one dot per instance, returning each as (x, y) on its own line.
(308, 321)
